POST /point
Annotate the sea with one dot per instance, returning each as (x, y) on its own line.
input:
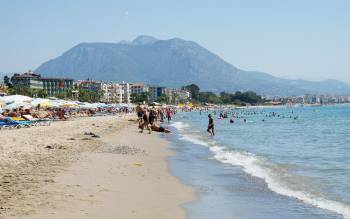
(273, 163)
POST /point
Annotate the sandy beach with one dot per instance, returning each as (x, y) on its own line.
(62, 171)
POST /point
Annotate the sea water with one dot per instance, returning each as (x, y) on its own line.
(287, 162)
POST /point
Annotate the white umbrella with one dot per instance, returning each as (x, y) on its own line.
(17, 105)
(86, 106)
(41, 101)
(15, 98)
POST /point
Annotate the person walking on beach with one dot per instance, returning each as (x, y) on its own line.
(152, 117)
(139, 112)
(145, 123)
(211, 125)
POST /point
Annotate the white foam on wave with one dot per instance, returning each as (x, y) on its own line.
(179, 125)
(194, 140)
(259, 167)
(254, 166)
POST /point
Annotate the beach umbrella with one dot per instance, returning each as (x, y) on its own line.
(60, 103)
(86, 106)
(68, 104)
(52, 98)
(71, 104)
(101, 105)
(17, 105)
(94, 105)
(15, 98)
(46, 104)
(42, 102)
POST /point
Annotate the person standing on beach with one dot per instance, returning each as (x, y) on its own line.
(211, 125)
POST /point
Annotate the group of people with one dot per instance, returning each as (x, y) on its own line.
(53, 114)
(57, 113)
(234, 115)
(148, 118)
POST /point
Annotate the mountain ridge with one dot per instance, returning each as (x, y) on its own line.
(174, 62)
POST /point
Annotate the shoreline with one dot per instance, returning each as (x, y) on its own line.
(122, 174)
(241, 174)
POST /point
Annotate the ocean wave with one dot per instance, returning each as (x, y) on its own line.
(255, 166)
(273, 176)
(179, 125)
(194, 140)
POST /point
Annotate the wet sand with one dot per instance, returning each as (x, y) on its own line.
(59, 172)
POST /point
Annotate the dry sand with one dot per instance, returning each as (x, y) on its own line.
(58, 172)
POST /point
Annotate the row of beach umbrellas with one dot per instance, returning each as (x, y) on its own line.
(24, 102)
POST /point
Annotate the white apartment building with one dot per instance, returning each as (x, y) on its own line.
(182, 94)
(126, 96)
(113, 93)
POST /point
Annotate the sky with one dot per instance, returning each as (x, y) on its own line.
(294, 39)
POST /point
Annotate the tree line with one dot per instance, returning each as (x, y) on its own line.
(237, 98)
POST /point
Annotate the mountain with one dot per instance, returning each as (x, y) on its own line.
(141, 40)
(174, 62)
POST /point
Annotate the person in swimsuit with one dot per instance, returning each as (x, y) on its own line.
(211, 125)
(145, 123)
(139, 112)
(157, 128)
(168, 114)
(152, 116)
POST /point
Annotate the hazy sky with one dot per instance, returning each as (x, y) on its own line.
(307, 39)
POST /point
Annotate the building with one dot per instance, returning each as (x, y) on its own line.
(138, 88)
(112, 93)
(28, 79)
(54, 86)
(180, 95)
(90, 85)
(155, 92)
(312, 99)
(126, 96)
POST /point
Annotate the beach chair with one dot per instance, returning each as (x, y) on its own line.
(8, 123)
(36, 121)
(11, 123)
(18, 118)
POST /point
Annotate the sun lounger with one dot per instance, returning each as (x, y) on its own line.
(36, 121)
(9, 123)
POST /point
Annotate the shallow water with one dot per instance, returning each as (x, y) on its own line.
(294, 164)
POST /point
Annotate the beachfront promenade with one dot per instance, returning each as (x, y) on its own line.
(62, 171)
